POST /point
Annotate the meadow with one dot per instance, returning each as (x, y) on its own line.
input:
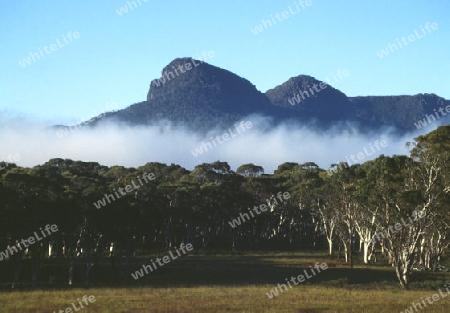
(227, 282)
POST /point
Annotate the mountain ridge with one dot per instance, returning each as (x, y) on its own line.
(204, 97)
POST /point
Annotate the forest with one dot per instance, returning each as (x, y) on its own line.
(390, 208)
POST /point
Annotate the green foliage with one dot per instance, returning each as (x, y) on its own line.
(250, 169)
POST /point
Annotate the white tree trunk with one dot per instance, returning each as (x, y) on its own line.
(366, 250)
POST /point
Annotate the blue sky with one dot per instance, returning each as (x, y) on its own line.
(115, 57)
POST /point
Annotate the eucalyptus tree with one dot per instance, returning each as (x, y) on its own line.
(401, 205)
(297, 220)
(250, 169)
(38, 192)
(430, 176)
(368, 196)
(327, 209)
(256, 191)
(346, 180)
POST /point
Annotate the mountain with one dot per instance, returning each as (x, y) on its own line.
(201, 96)
(403, 112)
(309, 98)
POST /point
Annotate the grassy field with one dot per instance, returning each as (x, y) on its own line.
(301, 299)
(237, 283)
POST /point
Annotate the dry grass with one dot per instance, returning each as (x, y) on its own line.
(300, 299)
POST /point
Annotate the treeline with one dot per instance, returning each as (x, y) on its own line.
(397, 206)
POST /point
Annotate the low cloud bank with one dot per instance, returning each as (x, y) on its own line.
(112, 144)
